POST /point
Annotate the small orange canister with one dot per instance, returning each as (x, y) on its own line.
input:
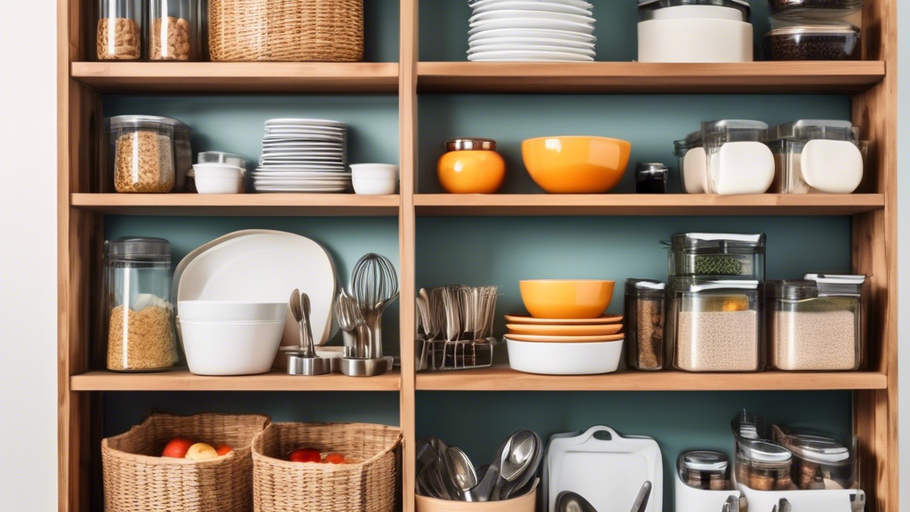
(471, 166)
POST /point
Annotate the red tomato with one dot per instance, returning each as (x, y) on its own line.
(223, 449)
(335, 458)
(177, 448)
(305, 455)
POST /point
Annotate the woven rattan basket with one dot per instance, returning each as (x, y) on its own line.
(286, 30)
(371, 484)
(136, 479)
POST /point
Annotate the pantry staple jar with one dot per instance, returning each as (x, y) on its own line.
(816, 156)
(119, 30)
(813, 42)
(142, 150)
(471, 166)
(738, 159)
(726, 255)
(174, 30)
(694, 31)
(764, 466)
(645, 313)
(705, 470)
(819, 461)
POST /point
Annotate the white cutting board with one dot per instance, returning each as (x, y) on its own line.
(607, 473)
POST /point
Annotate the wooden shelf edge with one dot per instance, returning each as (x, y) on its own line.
(183, 380)
(640, 77)
(506, 379)
(633, 204)
(232, 77)
(238, 204)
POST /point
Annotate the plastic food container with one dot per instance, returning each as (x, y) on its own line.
(693, 161)
(143, 153)
(764, 466)
(727, 255)
(119, 31)
(651, 178)
(136, 308)
(645, 314)
(471, 166)
(849, 11)
(813, 42)
(819, 461)
(174, 30)
(714, 325)
(675, 31)
(704, 470)
(738, 160)
(815, 324)
(816, 156)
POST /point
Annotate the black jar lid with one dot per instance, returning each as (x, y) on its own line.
(133, 248)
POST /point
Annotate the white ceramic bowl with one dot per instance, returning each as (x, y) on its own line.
(210, 185)
(217, 170)
(374, 179)
(231, 348)
(564, 358)
(230, 311)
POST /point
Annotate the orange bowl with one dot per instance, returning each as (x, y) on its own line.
(564, 330)
(576, 165)
(566, 299)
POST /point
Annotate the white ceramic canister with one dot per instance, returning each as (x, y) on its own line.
(694, 31)
(738, 158)
(692, 163)
(817, 156)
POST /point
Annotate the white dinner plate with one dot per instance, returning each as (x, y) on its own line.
(304, 144)
(299, 175)
(478, 4)
(265, 267)
(304, 121)
(529, 48)
(581, 45)
(305, 129)
(311, 158)
(313, 190)
(526, 23)
(303, 167)
(539, 5)
(295, 138)
(532, 32)
(511, 14)
(528, 56)
(301, 183)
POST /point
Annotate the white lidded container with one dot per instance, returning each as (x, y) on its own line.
(738, 158)
(816, 156)
(694, 31)
(693, 171)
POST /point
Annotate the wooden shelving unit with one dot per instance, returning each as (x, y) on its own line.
(82, 84)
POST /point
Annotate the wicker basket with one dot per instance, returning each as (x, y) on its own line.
(286, 30)
(368, 486)
(136, 479)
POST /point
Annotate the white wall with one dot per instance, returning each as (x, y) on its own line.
(28, 256)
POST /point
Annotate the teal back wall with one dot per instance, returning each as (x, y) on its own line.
(380, 30)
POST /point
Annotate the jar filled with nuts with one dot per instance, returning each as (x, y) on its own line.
(119, 32)
(143, 152)
(174, 32)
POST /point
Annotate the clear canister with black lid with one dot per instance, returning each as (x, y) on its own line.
(645, 313)
(727, 255)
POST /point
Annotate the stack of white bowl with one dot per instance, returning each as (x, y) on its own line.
(230, 338)
(531, 30)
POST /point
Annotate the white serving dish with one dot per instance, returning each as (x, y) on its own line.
(217, 170)
(828, 500)
(604, 467)
(690, 499)
(212, 185)
(564, 358)
(231, 311)
(231, 348)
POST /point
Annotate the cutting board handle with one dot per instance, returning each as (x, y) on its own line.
(592, 432)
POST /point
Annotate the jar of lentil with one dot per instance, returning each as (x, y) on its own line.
(119, 31)
(471, 166)
(721, 255)
(143, 153)
(174, 30)
(137, 305)
(764, 466)
(705, 470)
(645, 313)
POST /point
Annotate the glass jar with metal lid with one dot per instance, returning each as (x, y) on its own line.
(645, 313)
(651, 178)
(764, 466)
(137, 309)
(727, 255)
(819, 461)
(471, 166)
(703, 469)
(142, 153)
(813, 42)
(816, 323)
(674, 31)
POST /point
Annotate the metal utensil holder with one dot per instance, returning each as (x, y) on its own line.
(442, 355)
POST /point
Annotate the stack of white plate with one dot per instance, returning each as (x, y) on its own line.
(531, 30)
(303, 155)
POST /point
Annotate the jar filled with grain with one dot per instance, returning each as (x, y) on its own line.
(816, 323)
(705, 470)
(721, 255)
(764, 466)
(174, 30)
(143, 153)
(137, 305)
(819, 461)
(714, 325)
(645, 314)
(119, 30)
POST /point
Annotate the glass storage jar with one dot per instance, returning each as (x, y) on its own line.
(728, 255)
(142, 149)
(471, 166)
(693, 161)
(764, 466)
(137, 305)
(705, 470)
(815, 324)
(119, 31)
(645, 316)
(816, 156)
(826, 11)
(813, 42)
(819, 461)
(174, 30)
(714, 325)
(651, 178)
(738, 159)
(674, 31)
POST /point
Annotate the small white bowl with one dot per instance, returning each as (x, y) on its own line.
(564, 358)
(230, 311)
(210, 185)
(217, 170)
(231, 348)
(374, 179)
(387, 171)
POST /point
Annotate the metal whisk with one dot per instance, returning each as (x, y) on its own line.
(374, 285)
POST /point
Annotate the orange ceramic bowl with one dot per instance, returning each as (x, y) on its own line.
(569, 299)
(576, 165)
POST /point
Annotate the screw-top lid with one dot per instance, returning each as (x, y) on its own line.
(651, 170)
(742, 5)
(468, 143)
(703, 461)
(138, 248)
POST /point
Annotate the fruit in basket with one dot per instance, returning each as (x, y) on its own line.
(177, 448)
(201, 451)
(335, 458)
(223, 449)
(305, 455)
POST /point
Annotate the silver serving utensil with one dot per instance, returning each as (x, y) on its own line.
(351, 322)
(485, 487)
(520, 454)
(568, 501)
(305, 361)
(641, 502)
(461, 472)
(297, 313)
(527, 476)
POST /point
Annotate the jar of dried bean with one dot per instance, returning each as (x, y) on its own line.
(645, 315)
(119, 31)
(174, 31)
(143, 152)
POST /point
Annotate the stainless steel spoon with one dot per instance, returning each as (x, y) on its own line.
(521, 453)
(461, 472)
(485, 487)
(513, 488)
(297, 313)
(568, 501)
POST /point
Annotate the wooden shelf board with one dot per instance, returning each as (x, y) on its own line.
(505, 379)
(257, 205)
(646, 204)
(238, 77)
(183, 380)
(638, 77)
